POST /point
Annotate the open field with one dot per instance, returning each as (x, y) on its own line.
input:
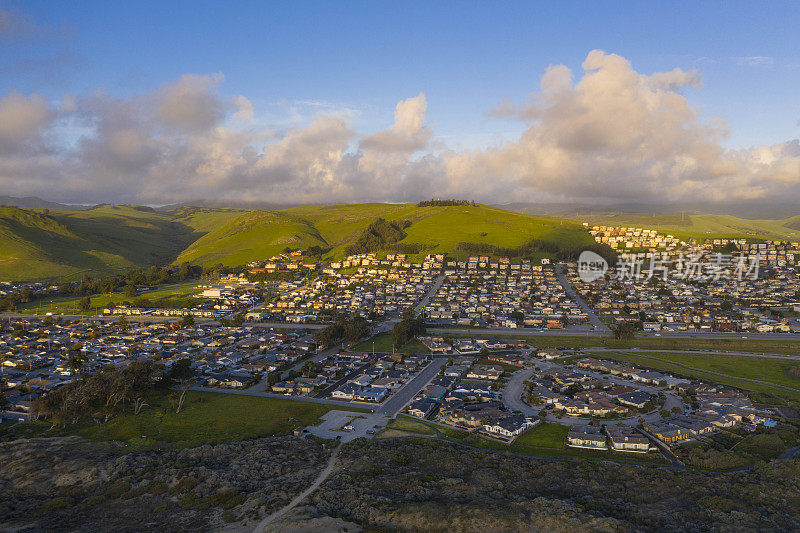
(761, 375)
(752, 344)
(206, 417)
(171, 293)
(385, 344)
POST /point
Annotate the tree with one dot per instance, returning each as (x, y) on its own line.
(181, 371)
(187, 321)
(122, 323)
(85, 304)
(273, 378)
(408, 328)
(624, 331)
(130, 291)
(76, 361)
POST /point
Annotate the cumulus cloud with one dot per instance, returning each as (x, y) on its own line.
(608, 132)
(618, 134)
(22, 119)
(191, 104)
(408, 133)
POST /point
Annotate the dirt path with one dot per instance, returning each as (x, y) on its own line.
(261, 526)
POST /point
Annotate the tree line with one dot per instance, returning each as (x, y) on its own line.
(562, 251)
(100, 396)
(445, 203)
(345, 328)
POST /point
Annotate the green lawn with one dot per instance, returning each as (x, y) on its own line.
(770, 371)
(545, 435)
(384, 343)
(402, 427)
(789, 346)
(174, 292)
(207, 417)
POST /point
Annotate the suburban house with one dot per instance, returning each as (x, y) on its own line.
(624, 438)
(510, 426)
(586, 437)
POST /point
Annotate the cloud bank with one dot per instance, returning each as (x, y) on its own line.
(611, 134)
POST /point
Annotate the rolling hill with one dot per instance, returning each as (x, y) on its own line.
(61, 243)
(65, 243)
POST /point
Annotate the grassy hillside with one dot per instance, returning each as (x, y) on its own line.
(259, 234)
(63, 243)
(250, 236)
(705, 226)
(69, 243)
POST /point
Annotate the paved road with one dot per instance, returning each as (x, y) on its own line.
(261, 526)
(598, 324)
(512, 396)
(150, 319)
(574, 331)
(425, 299)
(401, 398)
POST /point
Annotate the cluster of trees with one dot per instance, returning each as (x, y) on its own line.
(562, 251)
(14, 299)
(378, 235)
(155, 275)
(408, 328)
(349, 329)
(99, 396)
(445, 203)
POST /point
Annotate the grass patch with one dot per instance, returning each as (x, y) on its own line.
(173, 294)
(544, 440)
(788, 346)
(756, 374)
(404, 427)
(206, 418)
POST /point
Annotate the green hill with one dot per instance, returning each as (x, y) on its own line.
(63, 243)
(36, 244)
(60, 243)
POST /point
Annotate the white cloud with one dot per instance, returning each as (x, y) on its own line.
(22, 119)
(191, 104)
(607, 133)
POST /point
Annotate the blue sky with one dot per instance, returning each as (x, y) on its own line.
(366, 56)
(160, 102)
